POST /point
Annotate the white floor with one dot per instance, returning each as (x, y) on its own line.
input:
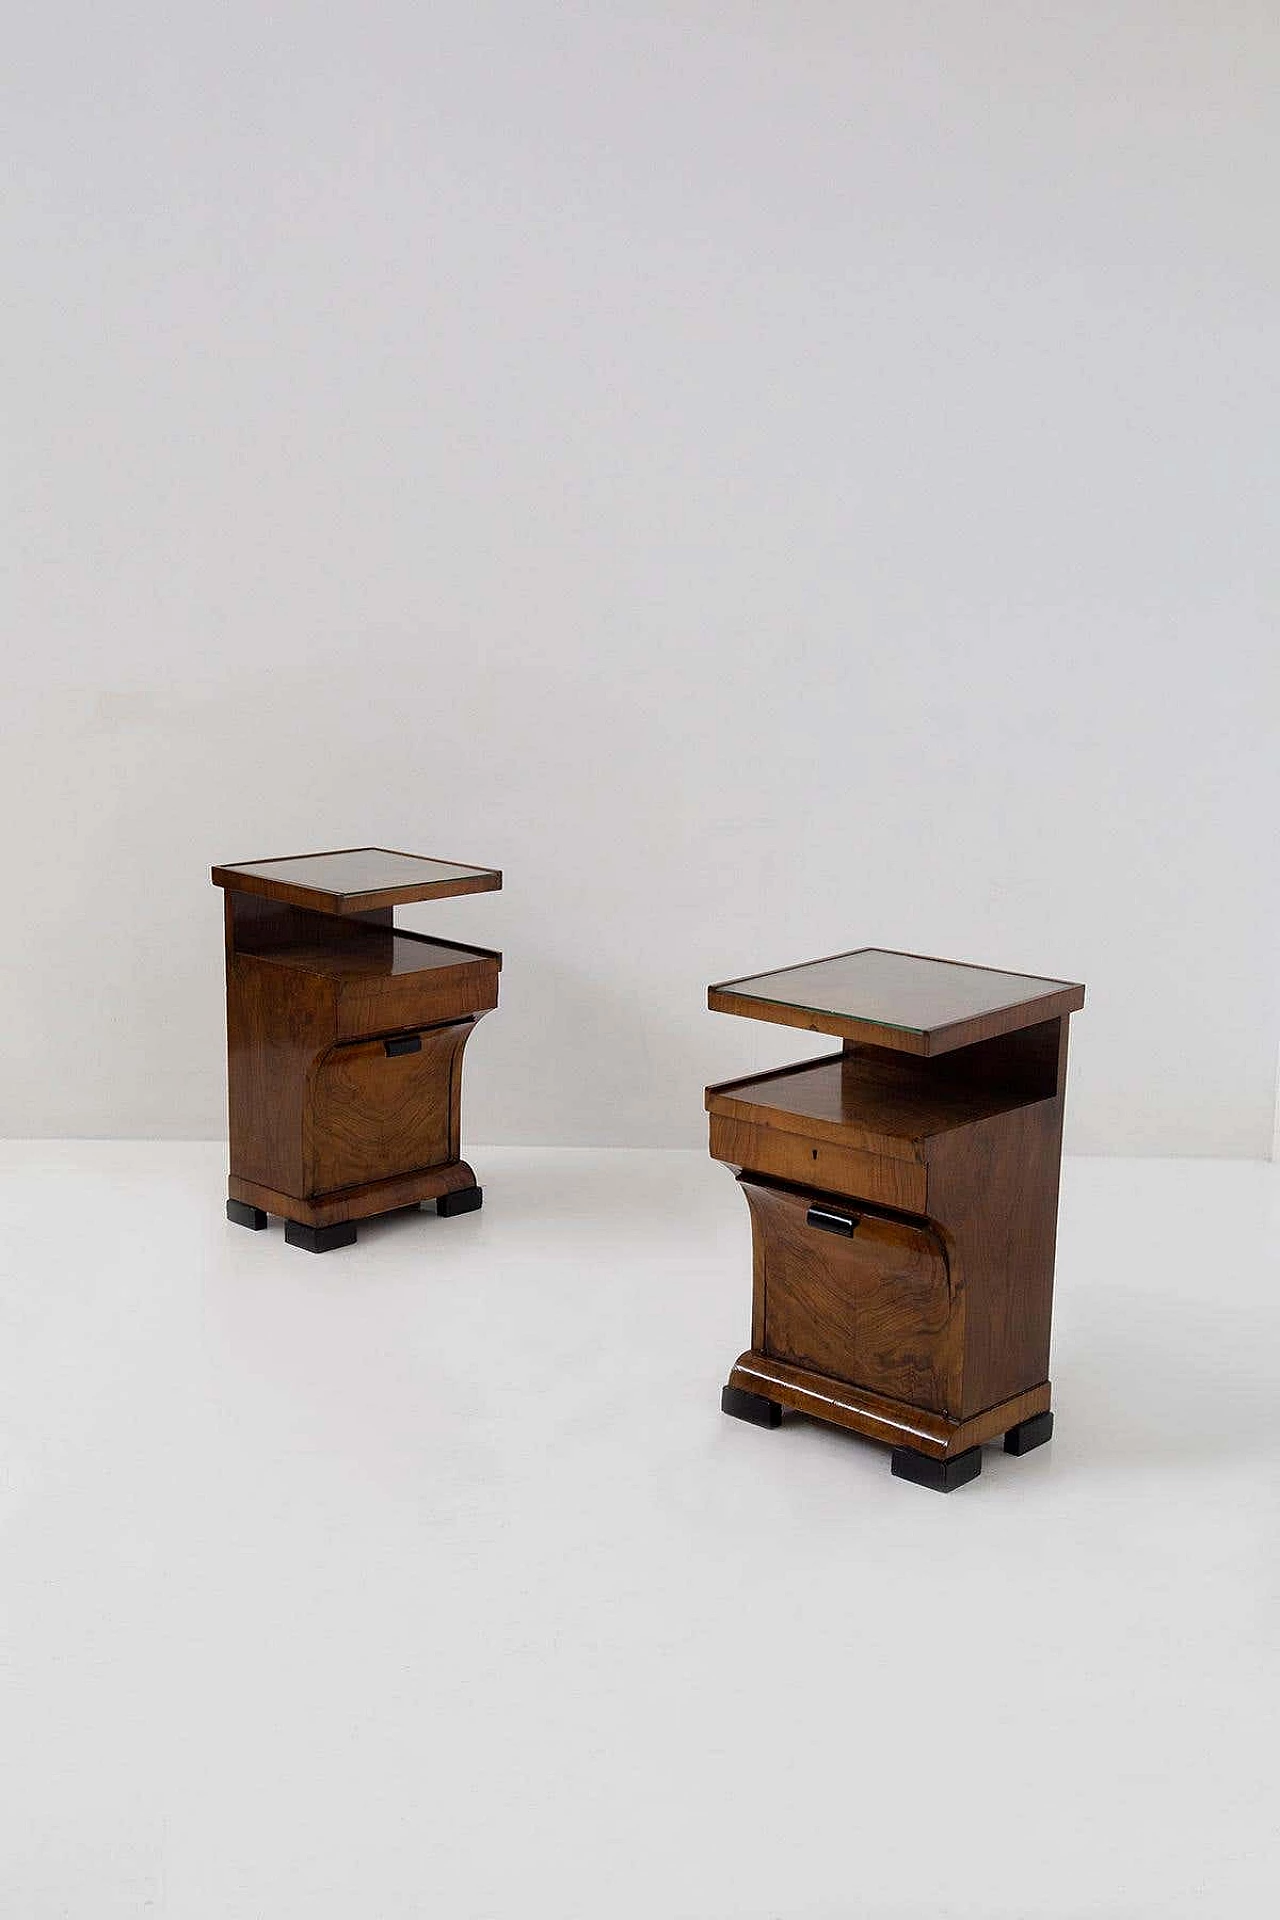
(425, 1578)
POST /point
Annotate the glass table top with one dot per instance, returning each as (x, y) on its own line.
(339, 882)
(886, 989)
(358, 870)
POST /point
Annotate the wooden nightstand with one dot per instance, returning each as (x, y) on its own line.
(904, 1198)
(344, 1040)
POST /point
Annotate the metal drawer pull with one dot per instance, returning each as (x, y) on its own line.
(833, 1222)
(406, 1043)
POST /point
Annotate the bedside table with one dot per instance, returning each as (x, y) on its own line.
(344, 1040)
(903, 1196)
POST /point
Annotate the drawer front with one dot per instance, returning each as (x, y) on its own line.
(382, 1107)
(852, 1294)
(380, 1002)
(791, 1156)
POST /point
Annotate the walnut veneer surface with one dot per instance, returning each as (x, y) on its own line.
(884, 1102)
(354, 879)
(902, 1000)
(345, 1038)
(903, 1209)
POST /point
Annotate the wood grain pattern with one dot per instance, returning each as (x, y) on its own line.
(1026, 1065)
(336, 902)
(355, 1203)
(877, 1416)
(386, 1003)
(866, 1097)
(382, 977)
(816, 1162)
(317, 1109)
(924, 1023)
(964, 1149)
(278, 1023)
(901, 1040)
(265, 927)
(993, 1190)
(373, 1114)
(358, 948)
(874, 1309)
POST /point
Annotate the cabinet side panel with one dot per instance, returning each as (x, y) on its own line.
(278, 1020)
(993, 1190)
(461, 1036)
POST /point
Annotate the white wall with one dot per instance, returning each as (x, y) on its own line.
(773, 478)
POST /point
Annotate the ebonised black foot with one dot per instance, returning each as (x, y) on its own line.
(464, 1200)
(1029, 1433)
(242, 1215)
(750, 1406)
(320, 1239)
(944, 1476)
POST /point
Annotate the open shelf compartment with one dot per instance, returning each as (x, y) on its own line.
(869, 1099)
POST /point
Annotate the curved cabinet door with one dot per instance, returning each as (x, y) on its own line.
(382, 1107)
(852, 1294)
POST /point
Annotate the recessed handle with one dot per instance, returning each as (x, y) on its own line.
(831, 1222)
(404, 1043)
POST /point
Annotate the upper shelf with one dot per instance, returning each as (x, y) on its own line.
(901, 1000)
(355, 879)
(350, 950)
(883, 1104)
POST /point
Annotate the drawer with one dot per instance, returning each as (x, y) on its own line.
(813, 1162)
(852, 1293)
(377, 1003)
(382, 1107)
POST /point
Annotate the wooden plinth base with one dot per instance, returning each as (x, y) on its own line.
(357, 1203)
(935, 1434)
